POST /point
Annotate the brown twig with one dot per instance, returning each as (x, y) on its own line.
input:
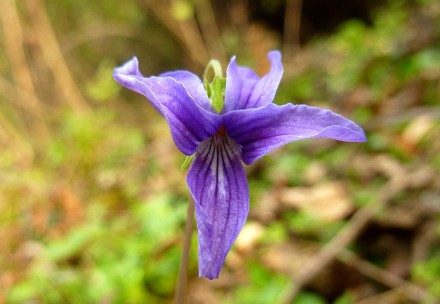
(411, 291)
(333, 248)
(394, 295)
(53, 56)
(185, 31)
(209, 30)
(100, 31)
(14, 46)
(292, 27)
(22, 99)
(183, 272)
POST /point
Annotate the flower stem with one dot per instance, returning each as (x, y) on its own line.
(183, 272)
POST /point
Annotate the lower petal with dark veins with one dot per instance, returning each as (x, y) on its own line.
(218, 184)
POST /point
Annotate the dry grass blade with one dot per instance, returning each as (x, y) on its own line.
(14, 46)
(394, 296)
(53, 56)
(209, 30)
(184, 263)
(292, 27)
(185, 31)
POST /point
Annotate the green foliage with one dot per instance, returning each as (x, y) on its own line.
(292, 165)
(427, 272)
(303, 223)
(117, 258)
(301, 88)
(274, 234)
(264, 286)
(94, 213)
(346, 298)
(309, 298)
(102, 87)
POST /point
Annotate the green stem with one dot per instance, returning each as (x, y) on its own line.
(183, 272)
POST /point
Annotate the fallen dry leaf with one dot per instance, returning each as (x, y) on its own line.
(328, 201)
(249, 236)
(288, 258)
(418, 129)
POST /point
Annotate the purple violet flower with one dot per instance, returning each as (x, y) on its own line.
(245, 127)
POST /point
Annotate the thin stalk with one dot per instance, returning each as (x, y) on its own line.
(183, 272)
(292, 27)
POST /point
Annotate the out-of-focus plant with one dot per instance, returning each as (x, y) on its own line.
(78, 190)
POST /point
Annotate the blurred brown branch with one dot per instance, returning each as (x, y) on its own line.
(410, 291)
(292, 27)
(46, 39)
(348, 234)
(185, 31)
(14, 46)
(209, 30)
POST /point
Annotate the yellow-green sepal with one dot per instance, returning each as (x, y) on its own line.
(186, 162)
(215, 89)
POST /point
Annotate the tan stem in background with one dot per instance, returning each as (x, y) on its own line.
(186, 248)
(53, 57)
(292, 28)
(210, 31)
(185, 31)
(24, 86)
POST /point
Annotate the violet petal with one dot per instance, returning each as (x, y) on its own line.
(245, 90)
(259, 131)
(190, 124)
(194, 86)
(218, 184)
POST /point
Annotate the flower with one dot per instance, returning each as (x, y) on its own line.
(245, 128)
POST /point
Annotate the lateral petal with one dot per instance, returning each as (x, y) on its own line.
(190, 124)
(259, 131)
(245, 89)
(218, 184)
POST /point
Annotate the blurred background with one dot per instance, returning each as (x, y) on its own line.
(92, 201)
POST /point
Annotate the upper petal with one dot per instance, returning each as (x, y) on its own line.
(245, 90)
(194, 86)
(190, 124)
(259, 131)
(218, 184)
